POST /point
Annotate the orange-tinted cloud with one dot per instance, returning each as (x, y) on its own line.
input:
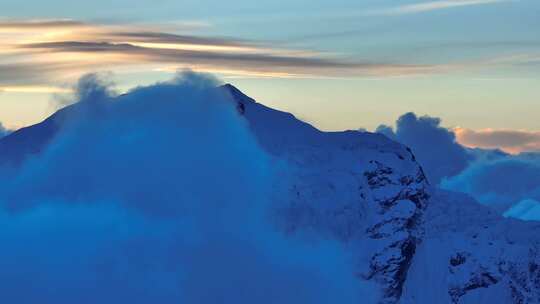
(513, 141)
(44, 53)
(48, 53)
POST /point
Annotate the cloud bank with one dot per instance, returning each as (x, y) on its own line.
(434, 146)
(504, 183)
(509, 183)
(157, 196)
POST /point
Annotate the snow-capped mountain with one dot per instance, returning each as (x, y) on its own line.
(416, 243)
(360, 187)
(423, 245)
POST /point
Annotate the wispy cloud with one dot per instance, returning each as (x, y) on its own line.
(34, 89)
(513, 141)
(430, 6)
(39, 24)
(37, 54)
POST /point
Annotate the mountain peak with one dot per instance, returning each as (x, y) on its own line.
(237, 95)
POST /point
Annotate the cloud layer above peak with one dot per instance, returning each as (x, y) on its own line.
(47, 52)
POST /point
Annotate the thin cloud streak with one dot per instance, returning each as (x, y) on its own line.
(158, 37)
(430, 6)
(168, 54)
(257, 62)
(34, 89)
(39, 24)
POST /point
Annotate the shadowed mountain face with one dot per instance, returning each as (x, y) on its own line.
(415, 243)
(17, 146)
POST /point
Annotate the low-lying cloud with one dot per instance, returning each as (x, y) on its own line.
(509, 183)
(40, 24)
(157, 196)
(527, 210)
(500, 182)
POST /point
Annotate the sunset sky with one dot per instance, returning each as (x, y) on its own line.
(340, 64)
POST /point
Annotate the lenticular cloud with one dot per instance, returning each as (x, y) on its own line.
(155, 196)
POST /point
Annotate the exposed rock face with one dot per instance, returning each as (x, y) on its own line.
(399, 225)
(523, 277)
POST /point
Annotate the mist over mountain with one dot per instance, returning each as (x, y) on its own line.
(189, 191)
(160, 195)
(3, 130)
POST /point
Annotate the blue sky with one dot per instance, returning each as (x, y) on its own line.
(339, 65)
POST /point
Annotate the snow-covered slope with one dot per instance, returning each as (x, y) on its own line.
(470, 254)
(416, 243)
(420, 244)
(360, 187)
